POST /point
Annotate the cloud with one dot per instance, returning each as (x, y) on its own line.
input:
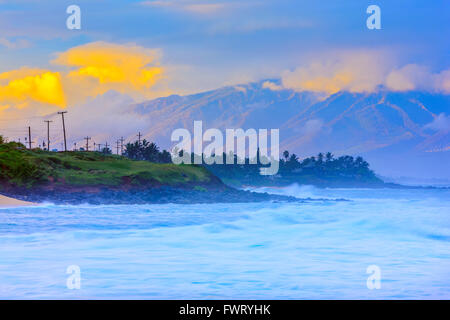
(100, 66)
(198, 7)
(109, 115)
(88, 71)
(416, 77)
(312, 127)
(351, 71)
(439, 123)
(25, 85)
(205, 8)
(271, 85)
(363, 71)
(104, 118)
(18, 44)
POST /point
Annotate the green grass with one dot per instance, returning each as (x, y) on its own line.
(22, 167)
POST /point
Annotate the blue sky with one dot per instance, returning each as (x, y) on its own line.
(131, 51)
(206, 44)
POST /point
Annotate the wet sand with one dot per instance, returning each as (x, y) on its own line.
(6, 202)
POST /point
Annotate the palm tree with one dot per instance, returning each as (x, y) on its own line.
(320, 158)
(293, 158)
(286, 155)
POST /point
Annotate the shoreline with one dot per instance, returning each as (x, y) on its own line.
(159, 195)
(8, 202)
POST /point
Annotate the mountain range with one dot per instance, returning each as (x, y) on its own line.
(400, 133)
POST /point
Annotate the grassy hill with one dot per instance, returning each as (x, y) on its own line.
(97, 178)
(23, 168)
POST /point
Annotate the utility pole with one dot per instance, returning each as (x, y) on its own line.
(139, 138)
(29, 136)
(87, 143)
(121, 145)
(48, 134)
(64, 129)
(117, 146)
(99, 146)
(106, 146)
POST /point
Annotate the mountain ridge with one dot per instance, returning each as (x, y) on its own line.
(343, 123)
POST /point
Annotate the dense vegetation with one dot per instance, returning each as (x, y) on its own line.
(321, 170)
(25, 168)
(146, 151)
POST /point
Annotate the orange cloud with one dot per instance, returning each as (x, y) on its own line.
(92, 70)
(102, 66)
(23, 86)
(363, 71)
(359, 71)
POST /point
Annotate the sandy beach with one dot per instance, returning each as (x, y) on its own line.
(6, 202)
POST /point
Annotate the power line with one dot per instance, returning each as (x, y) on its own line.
(64, 129)
(87, 143)
(117, 146)
(29, 136)
(48, 133)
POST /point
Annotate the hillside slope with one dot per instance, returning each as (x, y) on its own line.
(23, 168)
(94, 178)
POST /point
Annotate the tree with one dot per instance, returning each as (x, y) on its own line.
(106, 150)
(293, 159)
(359, 161)
(286, 155)
(146, 150)
(164, 157)
(132, 150)
(320, 158)
(328, 156)
(150, 151)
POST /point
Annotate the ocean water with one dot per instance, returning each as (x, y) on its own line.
(319, 249)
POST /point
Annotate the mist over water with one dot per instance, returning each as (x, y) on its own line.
(316, 249)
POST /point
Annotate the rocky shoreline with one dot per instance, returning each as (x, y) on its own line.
(162, 194)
